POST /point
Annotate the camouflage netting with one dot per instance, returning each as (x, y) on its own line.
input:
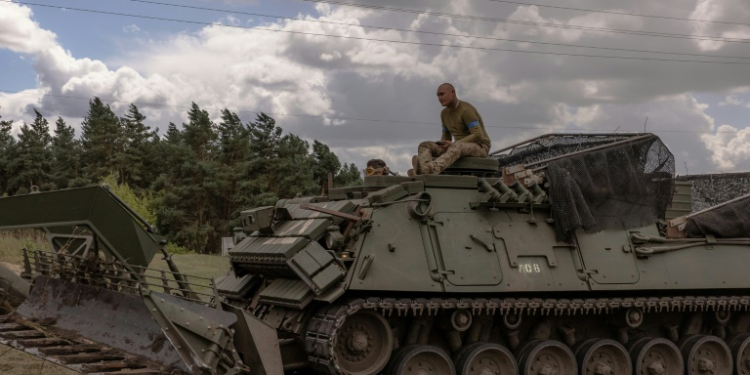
(713, 189)
(626, 186)
(731, 220)
(555, 145)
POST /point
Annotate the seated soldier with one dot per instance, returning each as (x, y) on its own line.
(462, 123)
(377, 167)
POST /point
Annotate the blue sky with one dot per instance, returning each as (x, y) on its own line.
(17, 72)
(166, 66)
(100, 36)
(738, 116)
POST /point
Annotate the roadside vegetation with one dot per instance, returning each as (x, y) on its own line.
(191, 181)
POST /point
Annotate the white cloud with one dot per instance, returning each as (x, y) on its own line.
(730, 147)
(721, 10)
(131, 29)
(738, 97)
(19, 33)
(16, 106)
(283, 72)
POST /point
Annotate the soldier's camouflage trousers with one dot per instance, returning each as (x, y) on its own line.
(433, 159)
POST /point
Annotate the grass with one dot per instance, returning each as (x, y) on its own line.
(11, 243)
(14, 362)
(203, 266)
(207, 266)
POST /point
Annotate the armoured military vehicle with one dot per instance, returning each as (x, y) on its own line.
(554, 256)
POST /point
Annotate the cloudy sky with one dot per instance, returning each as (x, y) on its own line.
(362, 79)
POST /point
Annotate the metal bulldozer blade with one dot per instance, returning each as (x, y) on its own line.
(13, 289)
(215, 341)
(120, 321)
(153, 331)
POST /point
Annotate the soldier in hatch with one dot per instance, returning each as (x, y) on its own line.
(377, 167)
(463, 135)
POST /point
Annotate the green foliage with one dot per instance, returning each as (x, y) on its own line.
(66, 153)
(174, 248)
(101, 141)
(349, 175)
(192, 182)
(7, 143)
(325, 161)
(135, 160)
(140, 203)
(11, 243)
(188, 207)
(32, 156)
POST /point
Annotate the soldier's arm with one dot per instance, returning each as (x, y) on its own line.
(446, 135)
(471, 120)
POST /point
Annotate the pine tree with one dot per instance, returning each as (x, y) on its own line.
(348, 175)
(33, 158)
(170, 210)
(234, 138)
(133, 160)
(264, 135)
(325, 161)
(292, 172)
(170, 152)
(7, 146)
(262, 162)
(213, 171)
(66, 154)
(101, 140)
(234, 150)
(173, 135)
(154, 165)
(190, 188)
(200, 133)
(197, 178)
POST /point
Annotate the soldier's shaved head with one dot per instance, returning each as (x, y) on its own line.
(447, 85)
(446, 94)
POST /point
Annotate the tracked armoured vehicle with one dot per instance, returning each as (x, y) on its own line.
(564, 254)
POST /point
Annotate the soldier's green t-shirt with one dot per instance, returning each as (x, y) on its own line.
(464, 124)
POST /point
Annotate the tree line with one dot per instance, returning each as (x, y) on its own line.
(195, 179)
